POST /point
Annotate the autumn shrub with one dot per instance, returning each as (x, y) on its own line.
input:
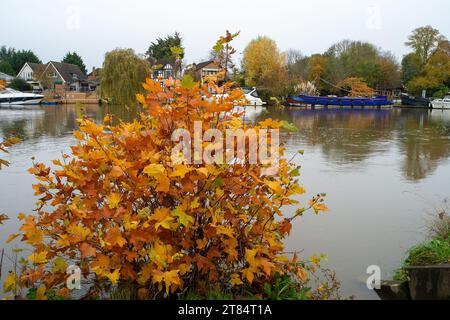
(122, 209)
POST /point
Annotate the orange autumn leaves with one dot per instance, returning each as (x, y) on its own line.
(120, 209)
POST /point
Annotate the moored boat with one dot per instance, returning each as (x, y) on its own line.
(305, 100)
(410, 101)
(441, 103)
(9, 97)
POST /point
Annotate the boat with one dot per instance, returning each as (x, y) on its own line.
(251, 95)
(50, 103)
(410, 101)
(305, 100)
(251, 98)
(9, 97)
(441, 103)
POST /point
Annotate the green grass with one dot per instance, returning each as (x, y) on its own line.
(431, 252)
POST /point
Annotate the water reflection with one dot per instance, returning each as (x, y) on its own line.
(352, 136)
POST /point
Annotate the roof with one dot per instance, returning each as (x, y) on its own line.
(4, 76)
(35, 66)
(203, 64)
(67, 70)
(165, 61)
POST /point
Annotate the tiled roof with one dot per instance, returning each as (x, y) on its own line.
(67, 70)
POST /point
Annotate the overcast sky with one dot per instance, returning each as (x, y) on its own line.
(92, 27)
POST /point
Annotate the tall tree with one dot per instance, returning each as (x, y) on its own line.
(75, 58)
(161, 49)
(297, 64)
(428, 66)
(424, 41)
(122, 76)
(18, 59)
(411, 67)
(5, 67)
(264, 65)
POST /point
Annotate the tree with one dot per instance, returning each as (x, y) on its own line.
(18, 59)
(424, 41)
(428, 67)
(127, 211)
(5, 67)
(161, 49)
(356, 87)
(20, 84)
(411, 67)
(74, 58)
(358, 59)
(297, 64)
(265, 66)
(122, 76)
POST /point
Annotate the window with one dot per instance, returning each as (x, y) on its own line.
(52, 74)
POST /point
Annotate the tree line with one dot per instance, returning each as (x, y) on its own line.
(346, 68)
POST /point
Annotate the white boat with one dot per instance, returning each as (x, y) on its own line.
(10, 97)
(441, 103)
(251, 95)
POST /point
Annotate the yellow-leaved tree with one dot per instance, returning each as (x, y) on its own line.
(122, 209)
(265, 65)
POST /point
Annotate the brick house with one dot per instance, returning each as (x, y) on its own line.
(203, 69)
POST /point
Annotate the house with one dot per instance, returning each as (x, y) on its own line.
(6, 77)
(66, 74)
(166, 68)
(94, 78)
(30, 72)
(205, 68)
(45, 76)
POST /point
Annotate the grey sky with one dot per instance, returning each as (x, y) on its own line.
(92, 27)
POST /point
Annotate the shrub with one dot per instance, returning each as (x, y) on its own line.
(125, 212)
(20, 85)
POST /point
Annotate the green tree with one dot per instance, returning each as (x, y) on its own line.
(411, 67)
(122, 76)
(74, 58)
(18, 59)
(20, 84)
(428, 67)
(5, 67)
(424, 41)
(362, 60)
(161, 49)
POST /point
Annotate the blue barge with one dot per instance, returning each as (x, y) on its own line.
(304, 100)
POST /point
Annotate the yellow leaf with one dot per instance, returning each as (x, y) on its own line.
(113, 276)
(114, 199)
(10, 283)
(235, 280)
(162, 215)
(38, 257)
(184, 218)
(40, 293)
(154, 169)
(274, 185)
(180, 171)
(59, 265)
(171, 278)
(12, 237)
(195, 204)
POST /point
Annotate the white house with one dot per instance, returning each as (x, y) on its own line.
(29, 72)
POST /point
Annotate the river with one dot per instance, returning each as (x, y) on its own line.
(384, 172)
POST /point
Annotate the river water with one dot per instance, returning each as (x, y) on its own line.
(384, 173)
